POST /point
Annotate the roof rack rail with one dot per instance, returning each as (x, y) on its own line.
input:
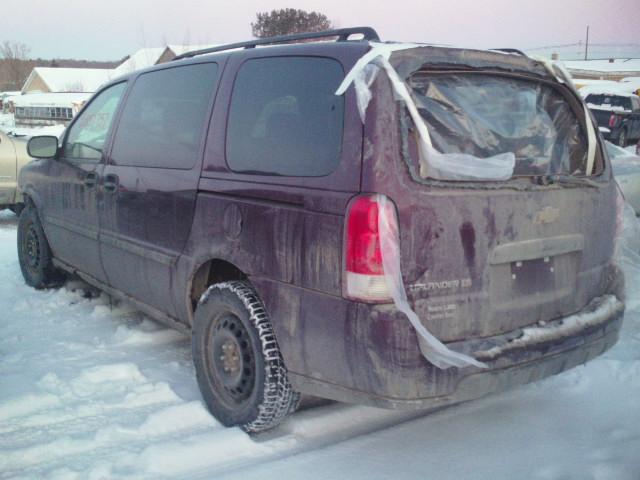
(509, 50)
(343, 35)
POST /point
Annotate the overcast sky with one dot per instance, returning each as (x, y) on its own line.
(111, 29)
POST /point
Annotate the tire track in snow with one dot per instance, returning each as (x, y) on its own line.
(172, 422)
(39, 429)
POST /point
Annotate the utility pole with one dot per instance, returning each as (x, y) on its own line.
(586, 44)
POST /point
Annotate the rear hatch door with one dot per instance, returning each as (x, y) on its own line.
(481, 258)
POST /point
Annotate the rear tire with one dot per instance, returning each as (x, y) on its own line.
(34, 254)
(239, 367)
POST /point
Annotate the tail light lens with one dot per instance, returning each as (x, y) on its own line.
(612, 120)
(363, 270)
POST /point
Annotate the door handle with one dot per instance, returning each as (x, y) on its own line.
(91, 179)
(111, 182)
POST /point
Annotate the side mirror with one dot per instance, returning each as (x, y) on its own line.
(45, 146)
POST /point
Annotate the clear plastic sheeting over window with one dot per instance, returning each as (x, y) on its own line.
(518, 143)
(447, 166)
(492, 118)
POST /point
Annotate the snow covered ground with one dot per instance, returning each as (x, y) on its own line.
(91, 391)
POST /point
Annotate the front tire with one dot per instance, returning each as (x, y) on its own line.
(34, 254)
(239, 367)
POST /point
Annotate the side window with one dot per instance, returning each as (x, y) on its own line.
(636, 104)
(85, 141)
(284, 117)
(164, 117)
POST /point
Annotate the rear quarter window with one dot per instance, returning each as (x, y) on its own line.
(164, 117)
(284, 118)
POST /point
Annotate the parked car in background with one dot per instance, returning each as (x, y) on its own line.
(13, 156)
(250, 197)
(617, 114)
(626, 169)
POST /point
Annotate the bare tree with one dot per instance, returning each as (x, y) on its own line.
(15, 63)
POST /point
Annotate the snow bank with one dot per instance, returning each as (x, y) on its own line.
(146, 332)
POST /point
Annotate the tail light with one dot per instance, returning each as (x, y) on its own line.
(364, 278)
(612, 120)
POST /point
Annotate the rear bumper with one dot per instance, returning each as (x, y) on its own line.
(385, 367)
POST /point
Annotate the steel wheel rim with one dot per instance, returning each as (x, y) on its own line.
(233, 360)
(31, 248)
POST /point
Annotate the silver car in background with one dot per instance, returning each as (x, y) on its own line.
(13, 156)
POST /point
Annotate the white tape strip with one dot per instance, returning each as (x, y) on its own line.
(591, 142)
(362, 77)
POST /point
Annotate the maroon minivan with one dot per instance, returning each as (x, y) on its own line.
(233, 194)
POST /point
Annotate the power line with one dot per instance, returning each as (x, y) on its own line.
(581, 44)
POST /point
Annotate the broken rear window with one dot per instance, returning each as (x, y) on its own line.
(484, 116)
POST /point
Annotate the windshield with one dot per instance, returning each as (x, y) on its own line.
(486, 115)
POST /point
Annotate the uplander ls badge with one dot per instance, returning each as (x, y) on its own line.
(454, 284)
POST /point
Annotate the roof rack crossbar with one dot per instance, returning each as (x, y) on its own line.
(509, 50)
(343, 35)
